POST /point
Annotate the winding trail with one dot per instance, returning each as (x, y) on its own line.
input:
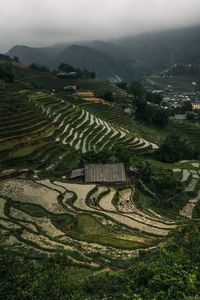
(187, 210)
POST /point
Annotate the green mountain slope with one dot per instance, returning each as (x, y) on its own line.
(160, 49)
(34, 55)
(128, 57)
(103, 64)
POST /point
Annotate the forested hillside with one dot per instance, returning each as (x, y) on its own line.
(128, 57)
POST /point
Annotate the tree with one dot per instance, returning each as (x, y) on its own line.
(38, 67)
(108, 96)
(16, 59)
(137, 90)
(6, 72)
(66, 68)
(146, 171)
(147, 112)
(151, 113)
(157, 115)
(141, 109)
(96, 157)
(154, 98)
(118, 154)
(4, 57)
(187, 106)
(63, 67)
(92, 75)
(176, 148)
(190, 115)
(122, 85)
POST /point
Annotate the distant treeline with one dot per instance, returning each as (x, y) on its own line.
(6, 71)
(78, 73)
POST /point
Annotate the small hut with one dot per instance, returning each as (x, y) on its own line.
(105, 173)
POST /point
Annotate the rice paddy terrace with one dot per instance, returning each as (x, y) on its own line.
(45, 129)
(190, 178)
(42, 217)
(83, 130)
(94, 225)
(20, 120)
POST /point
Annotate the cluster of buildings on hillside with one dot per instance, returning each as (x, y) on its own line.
(67, 75)
(179, 101)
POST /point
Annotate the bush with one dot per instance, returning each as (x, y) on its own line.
(6, 72)
(38, 67)
(176, 148)
(108, 96)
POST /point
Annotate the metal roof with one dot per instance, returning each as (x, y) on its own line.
(105, 173)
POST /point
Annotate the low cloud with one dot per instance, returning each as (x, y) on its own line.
(45, 22)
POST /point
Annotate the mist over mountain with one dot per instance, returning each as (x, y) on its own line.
(128, 57)
(164, 48)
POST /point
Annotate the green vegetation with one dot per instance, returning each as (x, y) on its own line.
(129, 57)
(79, 73)
(88, 229)
(6, 72)
(189, 129)
(170, 273)
(148, 112)
(161, 190)
(39, 68)
(176, 148)
(118, 154)
(61, 238)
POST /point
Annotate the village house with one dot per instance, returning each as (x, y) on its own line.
(196, 105)
(101, 173)
(105, 173)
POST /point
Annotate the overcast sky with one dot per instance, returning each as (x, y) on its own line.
(44, 22)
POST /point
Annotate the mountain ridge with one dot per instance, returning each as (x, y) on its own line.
(128, 57)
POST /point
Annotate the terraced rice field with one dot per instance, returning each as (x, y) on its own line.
(50, 134)
(191, 180)
(94, 225)
(83, 131)
(26, 137)
(43, 217)
(21, 121)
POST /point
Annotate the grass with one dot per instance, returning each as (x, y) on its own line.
(61, 221)
(90, 230)
(164, 208)
(163, 165)
(26, 150)
(190, 129)
(196, 211)
(142, 201)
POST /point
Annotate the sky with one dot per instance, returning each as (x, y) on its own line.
(45, 22)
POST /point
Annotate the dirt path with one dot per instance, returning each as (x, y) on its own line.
(106, 201)
(187, 210)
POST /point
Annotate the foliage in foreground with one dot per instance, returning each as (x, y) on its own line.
(173, 272)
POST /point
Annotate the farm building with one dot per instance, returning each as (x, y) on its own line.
(70, 88)
(66, 75)
(109, 173)
(85, 93)
(77, 173)
(180, 117)
(196, 105)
